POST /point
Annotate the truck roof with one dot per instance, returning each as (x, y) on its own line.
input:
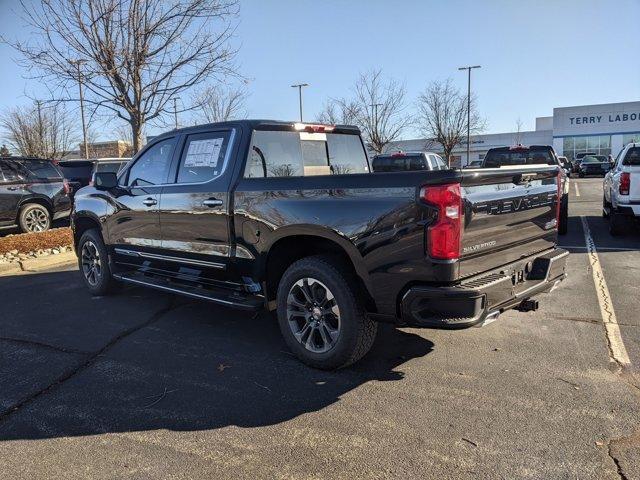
(261, 124)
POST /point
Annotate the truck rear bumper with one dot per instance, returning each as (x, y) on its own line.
(481, 298)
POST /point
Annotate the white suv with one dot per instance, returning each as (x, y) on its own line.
(621, 200)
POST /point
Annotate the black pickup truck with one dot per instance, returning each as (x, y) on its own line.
(287, 216)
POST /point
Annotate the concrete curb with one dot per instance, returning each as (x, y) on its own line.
(40, 263)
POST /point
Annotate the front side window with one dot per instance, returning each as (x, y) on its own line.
(152, 167)
(292, 154)
(203, 157)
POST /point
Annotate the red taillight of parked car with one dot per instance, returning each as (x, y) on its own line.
(625, 183)
(66, 186)
(443, 236)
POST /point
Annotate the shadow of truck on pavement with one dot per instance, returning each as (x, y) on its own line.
(193, 366)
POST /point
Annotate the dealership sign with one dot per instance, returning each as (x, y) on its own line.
(610, 118)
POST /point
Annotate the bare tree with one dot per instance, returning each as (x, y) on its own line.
(381, 108)
(44, 131)
(218, 103)
(517, 139)
(442, 115)
(340, 111)
(137, 54)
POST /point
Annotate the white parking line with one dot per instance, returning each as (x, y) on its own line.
(577, 190)
(617, 350)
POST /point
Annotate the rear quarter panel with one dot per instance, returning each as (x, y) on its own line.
(374, 217)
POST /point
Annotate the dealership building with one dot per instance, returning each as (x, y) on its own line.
(602, 129)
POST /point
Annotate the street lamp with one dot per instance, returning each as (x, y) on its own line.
(299, 86)
(77, 63)
(468, 69)
(175, 110)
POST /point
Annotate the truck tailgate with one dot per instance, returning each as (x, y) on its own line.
(509, 213)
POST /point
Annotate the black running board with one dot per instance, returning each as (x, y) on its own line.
(229, 298)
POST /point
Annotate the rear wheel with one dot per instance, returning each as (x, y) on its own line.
(34, 218)
(320, 315)
(94, 264)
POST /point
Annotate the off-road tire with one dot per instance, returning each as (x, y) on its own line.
(357, 331)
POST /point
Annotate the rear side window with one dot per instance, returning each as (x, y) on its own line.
(10, 172)
(203, 157)
(292, 154)
(42, 170)
(401, 163)
(632, 157)
(528, 156)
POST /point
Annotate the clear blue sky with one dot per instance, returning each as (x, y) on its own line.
(535, 55)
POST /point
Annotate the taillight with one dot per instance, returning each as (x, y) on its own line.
(443, 236)
(625, 183)
(66, 186)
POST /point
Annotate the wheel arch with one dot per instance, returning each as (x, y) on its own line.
(44, 201)
(290, 246)
(81, 223)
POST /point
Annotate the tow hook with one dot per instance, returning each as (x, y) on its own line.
(528, 305)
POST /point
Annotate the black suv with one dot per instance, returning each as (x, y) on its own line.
(33, 194)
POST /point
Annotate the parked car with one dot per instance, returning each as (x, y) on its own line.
(575, 165)
(287, 216)
(594, 165)
(407, 161)
(621, 199)
(521, 155)
(110, 165)
(33, 194)
(474, 164)
(77, 173)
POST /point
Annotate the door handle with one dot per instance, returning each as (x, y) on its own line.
(149, 202)
(212, 202)
(12, 188)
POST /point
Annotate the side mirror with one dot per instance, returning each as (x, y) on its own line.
(105, 180)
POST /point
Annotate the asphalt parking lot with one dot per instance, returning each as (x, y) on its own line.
(149, 385)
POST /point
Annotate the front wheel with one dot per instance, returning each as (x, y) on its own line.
(320, 315)
(94, 264)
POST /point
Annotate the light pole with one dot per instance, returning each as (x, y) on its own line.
(468, 69)
(77, 63)
(299, 86)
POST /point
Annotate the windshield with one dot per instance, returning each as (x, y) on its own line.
(525, 156)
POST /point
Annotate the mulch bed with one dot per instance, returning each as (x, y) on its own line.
(31, 242)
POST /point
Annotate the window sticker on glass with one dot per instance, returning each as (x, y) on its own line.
(203, 153)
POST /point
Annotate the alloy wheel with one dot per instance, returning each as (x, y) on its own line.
(36, 220)
(313, 315)
(91, 264)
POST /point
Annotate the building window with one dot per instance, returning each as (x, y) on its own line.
(598, 144)
(630, 138)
